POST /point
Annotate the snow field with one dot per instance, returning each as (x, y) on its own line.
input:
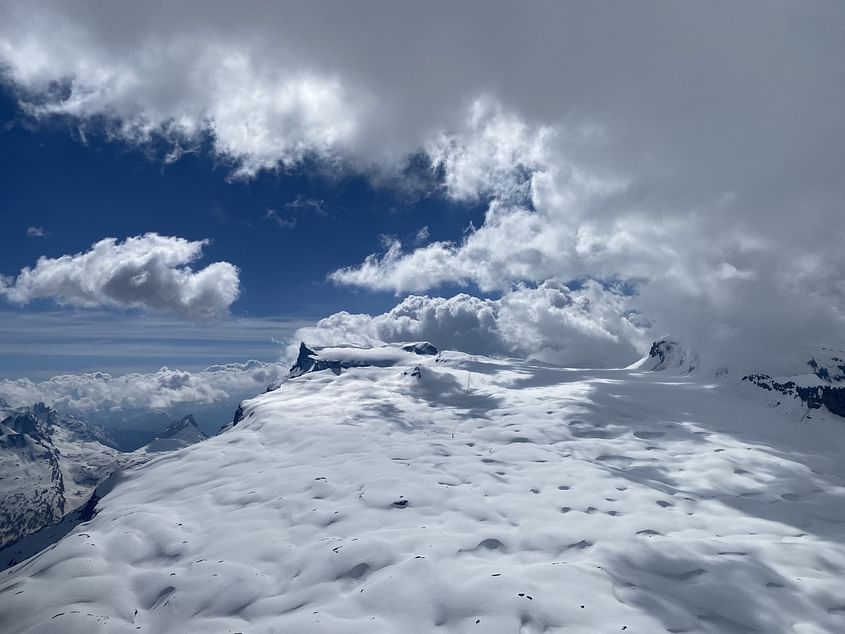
(539, 499)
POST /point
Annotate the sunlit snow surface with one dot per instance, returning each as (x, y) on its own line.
(480, 496)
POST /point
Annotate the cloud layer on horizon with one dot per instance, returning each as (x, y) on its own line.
(590, 326)
(148, 272)
(164, 389)
(692, 152)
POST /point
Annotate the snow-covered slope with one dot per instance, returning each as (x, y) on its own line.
(466, 494)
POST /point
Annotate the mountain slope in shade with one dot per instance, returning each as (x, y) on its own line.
(49, 466)
(177, 435)
(467, 494)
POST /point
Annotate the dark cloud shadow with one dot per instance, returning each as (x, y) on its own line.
(440, 389)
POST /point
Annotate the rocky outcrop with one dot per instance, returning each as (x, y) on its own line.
(50, 464)
(178, 434)
(831, 397)
(342, 358)
(668, 355)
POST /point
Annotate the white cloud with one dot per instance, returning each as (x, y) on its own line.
(283, 223)
(36, 232)
(311, 204)
(164, 389)
(494, 154)
(746, 289)
(148, 272)
(258, 117)
(550, 322)
(699, 162)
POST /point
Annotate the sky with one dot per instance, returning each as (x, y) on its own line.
(202, 184)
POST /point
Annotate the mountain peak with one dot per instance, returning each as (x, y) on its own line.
(668, 354)
(338, 358)
(187, 425)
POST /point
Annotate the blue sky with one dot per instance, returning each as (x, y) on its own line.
(80, 188)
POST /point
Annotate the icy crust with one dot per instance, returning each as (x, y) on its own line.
(465, 494)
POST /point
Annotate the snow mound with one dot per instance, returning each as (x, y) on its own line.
(465, 494)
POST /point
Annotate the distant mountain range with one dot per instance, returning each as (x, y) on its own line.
(50, 464)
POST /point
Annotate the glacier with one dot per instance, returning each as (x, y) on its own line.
(460, 493)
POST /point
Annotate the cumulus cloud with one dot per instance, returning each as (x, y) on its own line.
(589, 326)
(148, 271)
(692, 152)
(161, 390)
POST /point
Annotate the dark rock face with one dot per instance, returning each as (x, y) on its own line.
(30, 441)
(239, 415)
(38, 421)
(177, 426)
(661, 349)
(305, 362)
(31, 425)
(47, 463)
(830, 396)
(42, 533)
(667, 354)
(833, 398)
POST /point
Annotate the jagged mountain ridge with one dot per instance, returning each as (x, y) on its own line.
(50, 464)
(820, 383)
(336, 359)
(178, 434)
